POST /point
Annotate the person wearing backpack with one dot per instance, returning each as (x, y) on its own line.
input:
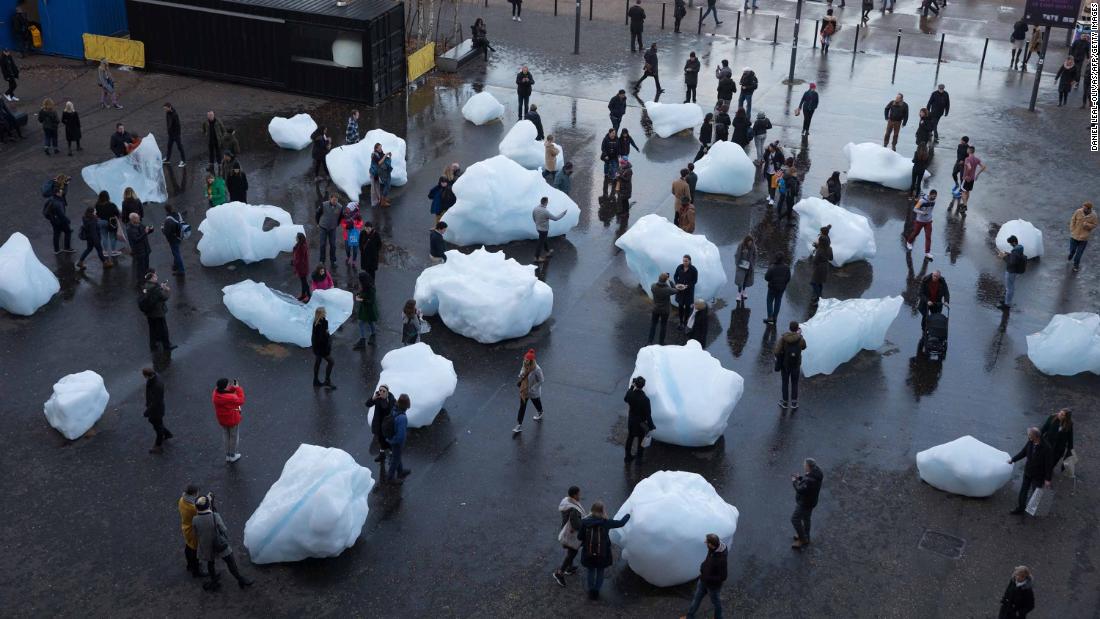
(829, 27)
(712, 573)
(212, 541)
(395, 429)
(678, 14)
(749, 84)
(595, 540)
(175, 230)
(54, 212)
(1015, 263)
(154, 304)
(792, 186)
(571, 515)
(788, 362)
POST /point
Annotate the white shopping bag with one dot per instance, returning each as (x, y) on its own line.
(1040, 503)
(647, 440)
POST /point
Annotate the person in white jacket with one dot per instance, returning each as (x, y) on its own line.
(530, 388)
(571, 512)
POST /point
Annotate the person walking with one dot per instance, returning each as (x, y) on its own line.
(327, 218)
(172, 122)
(760, 135)
(228, 400)
(922, 157)
(212, 542)
(524, 82)
(829, 27)
(1033, 46)
(71, 119)
(616, 110)
(636, 16)
(712, 573)
(939, 105)
(530, 388)
(367, 312)
(706, 136)
(1019, 34)
(370, 248)
(684, 279)
(1038, 468)
(108, 92)
(972, 168)
(679, 12)
(10, 71)
(384, 404)
(896, 114)
(47, 117)
(596, 546)
(412, 323)
(214, 131)
(442, 197)
(650, 69)
(749, 84)
(108, 214)
(542, 218)
(712, 8)
(154, 304)
(517, 9)
(154, 408)
(351, 132)
(933, 294)
(807, 487)
(922, 221)
(639, 419)
(572, 512)
(1066, 77)
(187, 510)
(788, 362)
(790, 187)
(868, 6)
(550, 158)
(745, 263)
(395, 427)
(691, 78)
(1015, 264)
(137, 235)
(662, 306)
(698, 321)
(822, 256)
(322, 144)
(1081, 225)
(89, 233)
(778, 276)
(321, 342)
(807, 105)
(173, 229)
(1057, 433)
(300, 263)
(1018, 599)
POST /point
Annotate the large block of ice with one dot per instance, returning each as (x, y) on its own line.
(851, 235)
(965, 466)
(316, 508)
(482, 108)
(671, 118)
(671, 513)
(690, 393)
(429, 379)
(78, 401)
(280, 317)
(653, 245)
(25, 283)
(840, 329)
(1068, 345)
(520, 146)
(494, 201)
(725, 169)
(142, 169)
(874, 164)
(235, 231)
(484, 296)
(349, 165)
(1030, 237)
(294, 133)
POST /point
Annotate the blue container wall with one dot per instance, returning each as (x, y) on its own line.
(65, 21)
(7, 37)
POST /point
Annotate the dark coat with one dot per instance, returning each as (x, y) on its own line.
(138, 237)
(1038, 465)
(524, 82)
(807, 487)
(437, 245)
(1066, 77)
(809, 101)
(625, 142)
(55, 211)
(661, 295)
(237, 184)
(636, 14)
(119, 142)
(321, 340)
(926, 293)
(749, 83)
(370, 247)
(712, 571)
(778, 276)
(1017, 601)
(382, 409)
(90, 226)
(741, 126)
(939, 104)
(639, 418)
(793, 343)
(726, 88)
(617, 106)
(698, 331)
(651, 60)
(688, 277)
(609, 148)
(71, 120)
(154, 398)
(596, 540)
(896, 111)
(706, 133)
(132, 205)
(320, 147)
(172, 121)
(1060, 441)
(8, 67)
(537, 121)
(158, 298)
(48, 119)
(691, 72)
(823, 255)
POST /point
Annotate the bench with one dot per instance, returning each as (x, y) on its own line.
(457, 56)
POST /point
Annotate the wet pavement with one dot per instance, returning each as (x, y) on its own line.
(92, 523)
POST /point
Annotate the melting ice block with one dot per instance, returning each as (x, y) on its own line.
(349, 165)
(482, 108)
(653, 245)
(235, 231)
(1026, 234)
(25, 283)
(280, 317)
(671, 513)
(316, 508)
(484, 296)
(495, 199)
(965, 466)
(840, 329)
(521, 146)
(292, 133)
(429, 379)
(725, 169)
(671, 118)
(874, 164)
(690, 393)
(78, 401)
(1068, 345)
(142, 169)
(852, 239)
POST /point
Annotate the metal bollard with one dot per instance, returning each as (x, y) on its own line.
(663, 5)
(939, 56)
(775, 35)
(984, 49)
(817, 24)
(737, 34)
(700, 31)
(855, 44)
(897, 48)
(627, 18)
(555, 8)
(589, 10)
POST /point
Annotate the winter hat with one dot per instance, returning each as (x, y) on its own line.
(530, 356)
(813, 85)
(760, 115)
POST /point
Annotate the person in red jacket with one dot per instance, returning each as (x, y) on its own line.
(228, 399)
(301, 265)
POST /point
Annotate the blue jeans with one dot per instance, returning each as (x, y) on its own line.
(395, 460)
(710, 9)
(775, 299)
(328, 241)
(594, 578)
(107, 238)
(817, 289)
(611, 168)
(697, 601)
(363, 326)
(745, 101)
(1010, 287)
(177, 258)
(1076, 248)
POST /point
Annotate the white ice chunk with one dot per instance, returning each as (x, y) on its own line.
(484, 296)
(725, 169)
(840, 329)
(142, 169)
(1026, 234)
(1068, 345)
(965, 466)
(25, 283)
(495, 199)
(520, 146)
(349, 165)
(316, 508)
(671, 513)
(653, 245)
(671, 118)
(691, 395)
(294, 133)
(429, 379)
(482, 108)
(78, 401)
(851, 235)
(235, 231)
(872, 163)
(280, 317)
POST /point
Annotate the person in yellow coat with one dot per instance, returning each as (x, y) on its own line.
(190, 541)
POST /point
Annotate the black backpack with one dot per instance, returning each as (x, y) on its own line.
(593, 542)
(793, 184)
(1016, 262)
(389, 427)
(146, 303)
(792, 354)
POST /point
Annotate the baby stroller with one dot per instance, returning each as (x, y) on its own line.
(933, 342)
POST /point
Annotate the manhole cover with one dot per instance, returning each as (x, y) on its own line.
(942, 544)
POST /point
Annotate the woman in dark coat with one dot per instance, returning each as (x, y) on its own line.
(71, 119)
(1057, 433)
(823, 255)
(322, 348)
(89, 231)
(480, 36)
(47, 116)
(741, 126)
(722, 125)
(383, 403)
(1066, 77)
(625, 142)
(237, 184)
(745, 263)
(108, 215)
(832, 188)
(685, 275)
(697, 324)
(367, 313)
(706, 134)
(300, 262)
(691, 77)
(321, 145)
(1018, 599)
(596, 546)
